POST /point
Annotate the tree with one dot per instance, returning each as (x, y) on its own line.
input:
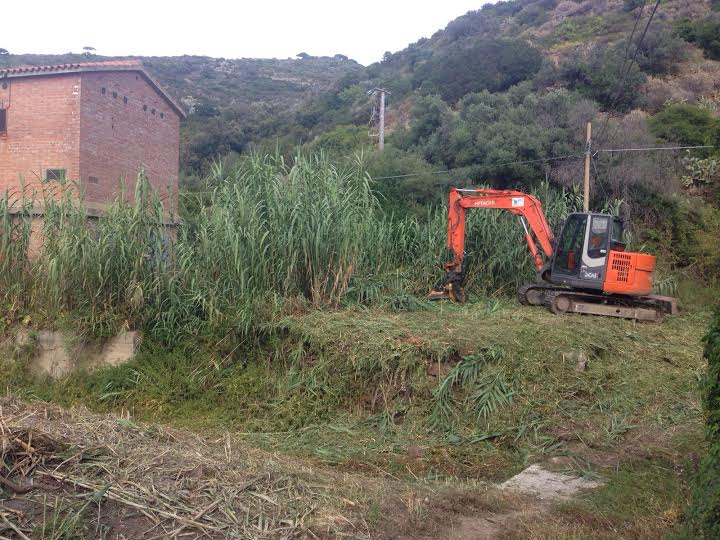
(4, 52)
(88, 51)
(303, 55)
(597, 75)
(488, 64)
(704, 32)
(660, 51)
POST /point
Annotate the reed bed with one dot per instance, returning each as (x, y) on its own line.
(270, 232)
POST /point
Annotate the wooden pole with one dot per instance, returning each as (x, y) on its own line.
(381, 141)
(588, 157)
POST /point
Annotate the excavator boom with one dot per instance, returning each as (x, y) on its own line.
(526, 207)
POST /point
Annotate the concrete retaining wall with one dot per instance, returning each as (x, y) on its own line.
(57, 354)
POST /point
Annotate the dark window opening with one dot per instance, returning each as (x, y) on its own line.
(144, 107)
(125, 100)
(102, 91)
(115, 95)
(55, 175)
(93, 180)
(3, 121)
(162, 115)
(153, 111)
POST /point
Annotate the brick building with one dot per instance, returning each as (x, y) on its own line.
(94, 125)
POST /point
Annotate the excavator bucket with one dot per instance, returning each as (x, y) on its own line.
(453, 291)
(438, 295)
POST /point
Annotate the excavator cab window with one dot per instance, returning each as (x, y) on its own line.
(568, 255)
(616, 241)
(598, 242)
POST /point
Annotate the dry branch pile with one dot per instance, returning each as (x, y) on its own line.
(77, 474)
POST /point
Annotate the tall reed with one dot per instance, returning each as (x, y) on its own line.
(271, 231)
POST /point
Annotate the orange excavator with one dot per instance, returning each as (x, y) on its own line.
(585, 270)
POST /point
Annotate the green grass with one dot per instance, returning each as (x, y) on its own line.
(353, 386)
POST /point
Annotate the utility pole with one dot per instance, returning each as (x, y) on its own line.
(381, 136)
(381, 116)
(588, 157)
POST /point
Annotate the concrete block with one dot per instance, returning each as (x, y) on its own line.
(120, 349)
(57, 355)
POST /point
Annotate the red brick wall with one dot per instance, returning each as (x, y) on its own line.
(119, 137)
(43, 130)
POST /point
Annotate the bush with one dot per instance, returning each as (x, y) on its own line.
(705, 513)
(597, 76)
(487, 64)
(660, 51)
(704, 32)
(631, 5)
(310, 231)
(683, 123)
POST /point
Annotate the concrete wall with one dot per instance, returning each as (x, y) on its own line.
(57, 355)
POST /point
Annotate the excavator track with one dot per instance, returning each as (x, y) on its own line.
(533, 295)
(645, 309)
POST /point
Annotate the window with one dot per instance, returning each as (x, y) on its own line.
(597, 246)
(55, 175)
(570, 245)
(3, 121)
(93, 180)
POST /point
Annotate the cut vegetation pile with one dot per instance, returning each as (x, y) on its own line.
(78, 475)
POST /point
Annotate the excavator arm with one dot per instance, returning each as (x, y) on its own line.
(526, 207)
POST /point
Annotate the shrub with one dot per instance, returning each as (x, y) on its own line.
(631, 5)
(704, 32)
(660, 51)
(487, 64)
(705, 513)
(597, 76)
(683, 123)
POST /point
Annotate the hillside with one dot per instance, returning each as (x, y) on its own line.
(546, 45)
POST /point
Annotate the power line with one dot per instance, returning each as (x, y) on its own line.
(627, 72)
(482, 166)
(508, 163)
(653, 148)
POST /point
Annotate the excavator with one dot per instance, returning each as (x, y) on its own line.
(584, 270)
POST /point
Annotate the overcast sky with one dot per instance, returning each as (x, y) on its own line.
(258, 29)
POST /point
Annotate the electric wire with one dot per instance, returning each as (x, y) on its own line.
(653, 148)
(508, 163)
(482, 166)
(627, 71)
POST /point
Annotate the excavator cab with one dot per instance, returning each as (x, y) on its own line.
(582, 250)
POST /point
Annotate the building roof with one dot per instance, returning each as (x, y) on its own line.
(83, 67)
